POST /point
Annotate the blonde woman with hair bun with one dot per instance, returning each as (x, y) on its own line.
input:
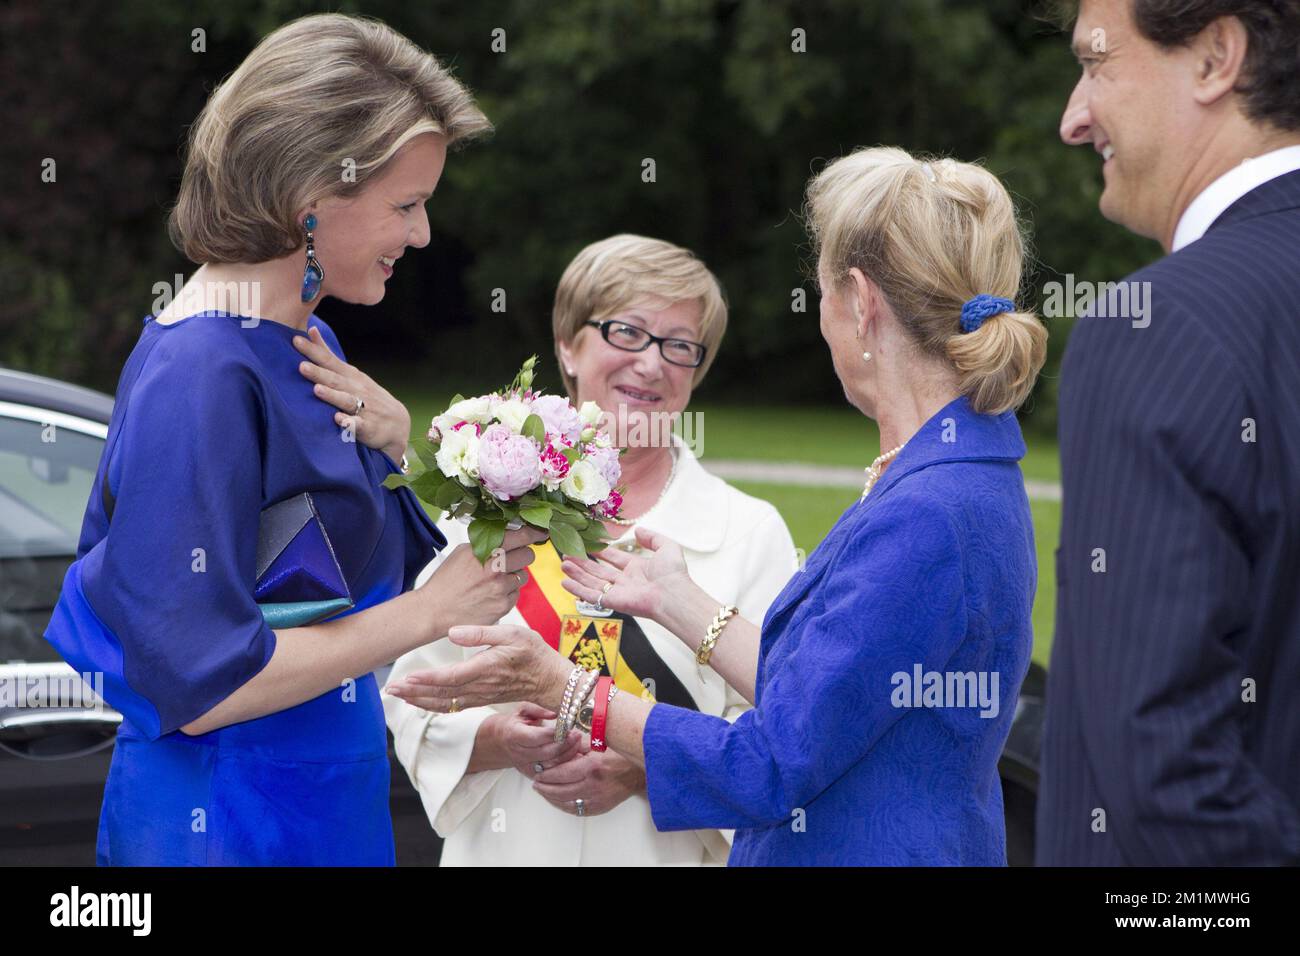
(886, 673)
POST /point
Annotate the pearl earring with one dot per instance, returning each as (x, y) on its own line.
(866, 356)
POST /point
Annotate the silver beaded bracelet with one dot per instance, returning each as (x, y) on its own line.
(579, 699)
(560, 730)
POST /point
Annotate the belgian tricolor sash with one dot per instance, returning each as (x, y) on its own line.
(594, 641)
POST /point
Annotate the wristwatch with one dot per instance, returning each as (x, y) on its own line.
(584, 716)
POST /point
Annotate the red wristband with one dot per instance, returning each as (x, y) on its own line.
(599, 708)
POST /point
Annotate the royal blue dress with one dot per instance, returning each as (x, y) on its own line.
(213, 423)
(847, 756)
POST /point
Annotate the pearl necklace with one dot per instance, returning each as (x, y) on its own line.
(873, 473)
(628, 522)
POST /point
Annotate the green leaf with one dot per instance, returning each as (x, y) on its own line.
(485, 536)
(570, 517)
(427, 485)
(426, 451)
(396, 481)
(567, 540)
(571, 454)
(535, 429)
(458, 397)
(539, 514)
(448, 494)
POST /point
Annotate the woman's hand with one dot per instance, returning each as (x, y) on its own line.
(462, 591)
(383, 424)
(639, 586)
(516, 665)
(600, 780)
(528, 742)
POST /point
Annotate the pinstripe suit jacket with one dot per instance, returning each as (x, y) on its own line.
(1173, 703)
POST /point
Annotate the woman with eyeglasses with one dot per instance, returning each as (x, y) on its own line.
(636, 323)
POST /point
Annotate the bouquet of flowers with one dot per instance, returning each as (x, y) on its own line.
(515, 456)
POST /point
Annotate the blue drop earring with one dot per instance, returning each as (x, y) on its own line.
(313, 275)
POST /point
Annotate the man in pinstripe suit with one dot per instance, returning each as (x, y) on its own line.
(1173, 725)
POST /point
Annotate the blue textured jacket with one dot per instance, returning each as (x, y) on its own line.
(887, 676)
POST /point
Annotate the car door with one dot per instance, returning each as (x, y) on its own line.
(55, 738)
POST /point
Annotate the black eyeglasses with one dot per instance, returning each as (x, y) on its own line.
(633, 338)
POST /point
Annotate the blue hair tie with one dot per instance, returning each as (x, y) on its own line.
(976, 310)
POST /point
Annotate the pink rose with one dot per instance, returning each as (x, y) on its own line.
(508, 465)
(606, 462)
(559, 417)
(609, 507)
(554, 465)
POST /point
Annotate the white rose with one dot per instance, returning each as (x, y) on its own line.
(442, 426)
(512, 413)
(585, 483)
(472, 410)
(589, 413)
(458, 455)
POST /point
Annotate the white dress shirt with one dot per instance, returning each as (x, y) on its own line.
(1228, 188)
(737, 549)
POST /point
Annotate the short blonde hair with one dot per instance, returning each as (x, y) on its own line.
(933, 233)
(624, 271)
(318, 97)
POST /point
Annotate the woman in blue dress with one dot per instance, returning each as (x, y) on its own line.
(247, 738)
(885, 675)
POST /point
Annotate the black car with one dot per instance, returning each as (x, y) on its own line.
(53, 760)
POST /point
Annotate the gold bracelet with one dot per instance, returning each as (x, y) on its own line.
(712, 634)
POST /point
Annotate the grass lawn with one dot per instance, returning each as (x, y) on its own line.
(810, 516)
(823, 436)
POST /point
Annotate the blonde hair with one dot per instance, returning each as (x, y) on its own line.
(319, 97)
(933, 234)
(624, 271)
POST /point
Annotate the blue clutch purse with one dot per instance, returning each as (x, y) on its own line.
(299, 580)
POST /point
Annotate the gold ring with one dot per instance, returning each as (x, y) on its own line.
(454, 706)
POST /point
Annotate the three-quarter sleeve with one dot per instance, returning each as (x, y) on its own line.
(163, 605)
(892, 598)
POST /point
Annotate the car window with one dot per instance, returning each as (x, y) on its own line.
(46, 475)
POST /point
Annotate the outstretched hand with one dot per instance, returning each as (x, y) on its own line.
(515, 665)
(637, 585)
